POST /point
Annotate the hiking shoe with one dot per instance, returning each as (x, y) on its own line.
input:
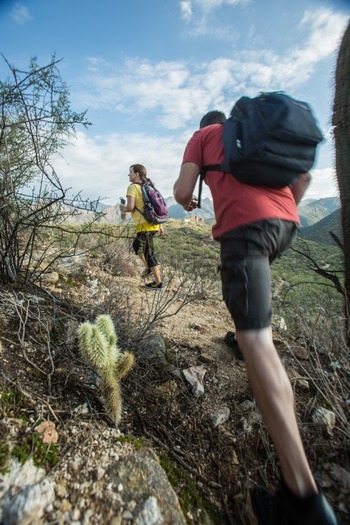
(146, 272)
(266, 507)
(153, 286)
(310, 510)
(284, 508)
(231, 341)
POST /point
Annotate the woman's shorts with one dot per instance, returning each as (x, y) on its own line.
(246, 255)
(143, 244)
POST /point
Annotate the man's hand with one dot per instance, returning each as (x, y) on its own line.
(193, 204)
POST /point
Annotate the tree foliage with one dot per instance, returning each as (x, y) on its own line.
(36, 121)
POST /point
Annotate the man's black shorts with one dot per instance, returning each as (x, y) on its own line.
(246, 255)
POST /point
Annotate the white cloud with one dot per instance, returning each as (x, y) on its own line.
(176, 92)
(20, 14)
(99, 165)
(202, 11)
(325, 29)
(173, 91)
(186, 10)
(210, 5)
(175, 95)
(323, 184)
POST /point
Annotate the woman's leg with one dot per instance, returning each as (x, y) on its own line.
(150, 257)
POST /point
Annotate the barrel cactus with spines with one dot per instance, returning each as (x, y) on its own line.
(341, 130)
(98, 345)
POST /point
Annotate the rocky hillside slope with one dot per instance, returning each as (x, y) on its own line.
(189, 418)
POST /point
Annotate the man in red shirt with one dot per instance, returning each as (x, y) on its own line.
(254, 225)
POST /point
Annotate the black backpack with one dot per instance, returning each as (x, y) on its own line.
(268, 141)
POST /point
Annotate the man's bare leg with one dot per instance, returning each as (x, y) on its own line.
(274, 396)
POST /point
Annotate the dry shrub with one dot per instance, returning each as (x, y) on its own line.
(327, 370)
(118, 259)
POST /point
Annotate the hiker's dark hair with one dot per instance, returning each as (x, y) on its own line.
(142, 171)
(212, 117)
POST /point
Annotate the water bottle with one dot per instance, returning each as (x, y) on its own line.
(122, 208)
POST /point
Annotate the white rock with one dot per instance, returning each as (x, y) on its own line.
(150, 514)
(325, 418)
(27, 507)
(195, 376)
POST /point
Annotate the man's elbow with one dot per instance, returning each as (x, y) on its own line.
(303, 181)
(180, 195)
(300, 187)
(305, 178)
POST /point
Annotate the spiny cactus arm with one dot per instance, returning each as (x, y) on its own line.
(124, 364)
(93, 346)
(110, 389)
(106, 326)
(84, 339)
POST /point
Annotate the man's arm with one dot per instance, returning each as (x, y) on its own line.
(185, 185)
(300, 186)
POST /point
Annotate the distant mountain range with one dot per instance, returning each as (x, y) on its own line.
(310, 211)
(317, 216)
(176, 211)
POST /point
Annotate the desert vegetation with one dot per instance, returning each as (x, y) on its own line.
(56, 275)
(43, 367)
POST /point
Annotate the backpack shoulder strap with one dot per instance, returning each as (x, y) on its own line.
(135, 208)
(210, 167)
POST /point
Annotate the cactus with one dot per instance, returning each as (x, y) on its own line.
(341, 129)
(98, 346)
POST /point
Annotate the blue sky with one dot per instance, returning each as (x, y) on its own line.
(147, 70)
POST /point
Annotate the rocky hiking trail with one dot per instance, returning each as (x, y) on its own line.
(186, 403)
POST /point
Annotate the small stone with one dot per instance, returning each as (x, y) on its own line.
(76, 514)
(325, 418)
(116, 520)
(205, 358)
(61, 490)
(65, 506)
(47, 432)
(99, 473)
(220, 417)
(197, 327)
(132, 505)
(300, 352)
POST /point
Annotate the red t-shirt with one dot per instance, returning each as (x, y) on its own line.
(235, 203)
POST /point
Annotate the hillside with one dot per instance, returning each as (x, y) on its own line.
(320, 231)
(187, 398)
(312, 211)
